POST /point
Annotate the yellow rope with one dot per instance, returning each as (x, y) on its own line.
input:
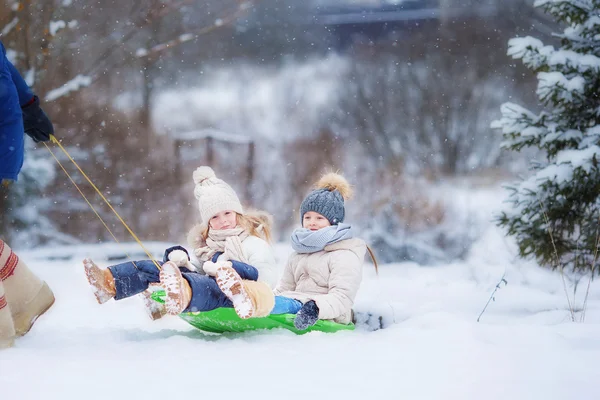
(54, 140)
(80, 192)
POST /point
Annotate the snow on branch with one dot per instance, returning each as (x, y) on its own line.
(531, 50)
(562, 171)
(9, 26)
(586, 29)
(566, 10)
(219, 22)
(519, 125)
(556, 83)
(574, 61)
(584, 159)
(71, 86)
(89, 76)
(534, 54)
(55, 26)
(568, 135)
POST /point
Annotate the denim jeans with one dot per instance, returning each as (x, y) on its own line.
(285, 305)
(132, 278)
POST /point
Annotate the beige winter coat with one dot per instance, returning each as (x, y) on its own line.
(330, 277)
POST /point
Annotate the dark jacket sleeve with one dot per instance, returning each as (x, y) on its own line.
(245, 271)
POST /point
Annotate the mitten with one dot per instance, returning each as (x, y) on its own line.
(307, 316)
(170, 249)
(210, 268)
(179, 257)
(35, 121)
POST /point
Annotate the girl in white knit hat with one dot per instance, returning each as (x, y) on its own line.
(227, 237)
(322, 276)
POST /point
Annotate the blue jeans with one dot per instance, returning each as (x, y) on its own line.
(285, 305)
(132, 278)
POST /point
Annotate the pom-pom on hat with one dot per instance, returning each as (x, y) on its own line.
(328, 198)
(213, 194)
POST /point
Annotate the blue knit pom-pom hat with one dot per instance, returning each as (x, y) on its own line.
(328, 198)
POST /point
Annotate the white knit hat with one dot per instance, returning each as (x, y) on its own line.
(213, 194)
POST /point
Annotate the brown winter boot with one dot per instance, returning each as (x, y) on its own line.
(154, 309)
(28, 297)
(232, 285)
(7, 329)
(177, 289)
(101, 280)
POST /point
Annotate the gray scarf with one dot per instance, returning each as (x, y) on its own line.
(307, 241)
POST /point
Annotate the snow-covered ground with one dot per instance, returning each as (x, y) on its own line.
(524, 347)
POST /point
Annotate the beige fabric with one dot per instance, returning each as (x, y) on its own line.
(27, 295)
(234, 249)
(256, 251)
(7, 329)
(213, 194)
(262, 297)
(37, 306)
(227, 241)
(330, 277)
(20, 284)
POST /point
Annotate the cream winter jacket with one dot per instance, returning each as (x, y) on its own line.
(258, 252)
(330, 277)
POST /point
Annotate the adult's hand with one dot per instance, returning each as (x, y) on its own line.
(35, 121)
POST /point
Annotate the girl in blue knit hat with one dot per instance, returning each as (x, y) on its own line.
(322, 276)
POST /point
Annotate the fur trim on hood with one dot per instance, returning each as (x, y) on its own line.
(194, 238)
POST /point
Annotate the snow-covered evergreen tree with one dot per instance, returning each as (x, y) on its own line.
(24, 222)
(555, 213)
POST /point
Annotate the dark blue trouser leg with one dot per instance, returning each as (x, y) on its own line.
(206, 294)
(132, 279)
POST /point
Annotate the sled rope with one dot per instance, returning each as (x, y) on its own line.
(54, 140)
(81, 193)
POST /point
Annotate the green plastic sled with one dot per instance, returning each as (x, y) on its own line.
(224, 319)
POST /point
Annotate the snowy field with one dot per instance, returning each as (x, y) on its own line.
(524, 347)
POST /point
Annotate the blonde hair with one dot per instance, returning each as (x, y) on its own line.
(258, 225)
(255, 226)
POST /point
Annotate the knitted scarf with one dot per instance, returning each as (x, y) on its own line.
(226, 241)
(307, 241)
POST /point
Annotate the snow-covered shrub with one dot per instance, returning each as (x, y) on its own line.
(408, 222)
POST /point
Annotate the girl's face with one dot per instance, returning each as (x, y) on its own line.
(223, 220)
(314, 221)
